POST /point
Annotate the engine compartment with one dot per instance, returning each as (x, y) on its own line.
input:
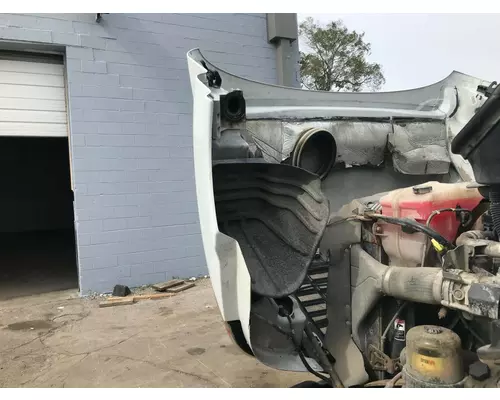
(410, 275)
(394, 289)
(364, 286)
(399, 285)
(403, 288)
(424, 276)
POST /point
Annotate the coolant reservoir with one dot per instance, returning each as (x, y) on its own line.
(418, 202)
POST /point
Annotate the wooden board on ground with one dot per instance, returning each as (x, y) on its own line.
(117, 301)
(180, 288)
(153, 296)
(161, 287)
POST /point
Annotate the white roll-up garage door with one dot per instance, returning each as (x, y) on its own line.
(32, 96)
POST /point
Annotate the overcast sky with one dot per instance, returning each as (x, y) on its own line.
(420, 49)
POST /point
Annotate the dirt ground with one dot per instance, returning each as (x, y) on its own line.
(61, 340)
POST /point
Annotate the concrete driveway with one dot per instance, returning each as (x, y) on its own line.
(60, 340)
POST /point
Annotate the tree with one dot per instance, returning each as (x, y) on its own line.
(336, 59)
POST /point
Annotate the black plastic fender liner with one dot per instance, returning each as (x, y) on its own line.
(278, 214)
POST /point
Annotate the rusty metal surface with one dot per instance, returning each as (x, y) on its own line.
(381, 361)
(484, 299)
(419, 147)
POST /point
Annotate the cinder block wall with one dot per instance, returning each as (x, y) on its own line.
(131, 140)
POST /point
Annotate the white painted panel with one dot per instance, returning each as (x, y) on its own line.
(22, 78)
(32, 99)
(8, 103)
(32, 129)
(31, 92)
(56, 117)
(31, 67)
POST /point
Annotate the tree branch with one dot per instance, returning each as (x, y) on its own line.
(336, 58)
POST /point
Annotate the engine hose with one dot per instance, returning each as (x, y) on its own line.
(394, 380)
(495, 208)
(480, 239)
(420, 285)
(396, 315)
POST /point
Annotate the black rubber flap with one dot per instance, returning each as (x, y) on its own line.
(278, 214)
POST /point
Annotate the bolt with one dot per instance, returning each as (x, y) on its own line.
(479, 371)
(458, 294)
(378, 229)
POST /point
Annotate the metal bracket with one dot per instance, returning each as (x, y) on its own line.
(213, 77)
(458, 258)
(381, 361)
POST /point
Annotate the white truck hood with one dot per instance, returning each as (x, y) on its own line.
(414, 127)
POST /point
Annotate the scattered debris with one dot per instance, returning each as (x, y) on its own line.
(205, 276)
(60, 308)
(117, 301)
(120, 301)
(161, 287)
(192, 279)
(177, 289)
(94, 295)
(167, 289)
(143, 290)
(121, 291)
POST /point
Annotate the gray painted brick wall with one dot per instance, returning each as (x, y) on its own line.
(130, 126)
